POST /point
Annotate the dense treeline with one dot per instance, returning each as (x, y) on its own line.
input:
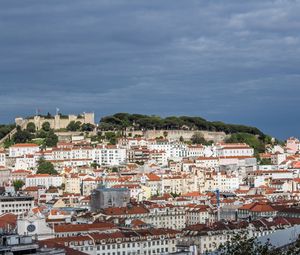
(120, 121)
(5, 129)
(44, 137)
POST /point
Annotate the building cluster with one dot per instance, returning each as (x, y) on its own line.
(147, 196)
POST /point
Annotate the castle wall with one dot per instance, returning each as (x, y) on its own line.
(185, 134)
(57, 122)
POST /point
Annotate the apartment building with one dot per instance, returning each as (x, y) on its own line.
(234, 149)
(43, 180)
(21, 149)
(124, 242)
(16, 204)
(2, 158)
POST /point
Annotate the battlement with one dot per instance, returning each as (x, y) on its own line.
(57, 121)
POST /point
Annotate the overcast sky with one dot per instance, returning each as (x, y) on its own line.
(235, 61)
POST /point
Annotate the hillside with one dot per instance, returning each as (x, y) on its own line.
(5, 129)
(120, 121)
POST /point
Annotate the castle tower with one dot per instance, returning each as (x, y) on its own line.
(89, 118)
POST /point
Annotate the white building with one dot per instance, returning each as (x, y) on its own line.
(109, 155)
(277, 158)
(26, 162)
(16, 204)
(2, 158)
(150, 241)
(21, 149)
(195, 150)
(34, 225)
(43, 180)
(234, 149)
(207, 162)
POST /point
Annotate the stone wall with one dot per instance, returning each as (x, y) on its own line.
(185, 134)
(57, 122)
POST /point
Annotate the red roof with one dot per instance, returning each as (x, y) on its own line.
(83, 227)
(153, 177)
(125, 210)
(8, 220)
(257, 207)
(17, 145)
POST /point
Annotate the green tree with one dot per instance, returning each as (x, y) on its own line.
(87, 127)
(242, 245)
(5, 129)
(114, 170)
(46, 167)
(165, 134)
(120, 121)
(95, 165)
(198, 138)
(111, 137)
(41, 134)
(74, 126)
(22, 136)
(46, 126)
(8, 142)
(31, 127)
(18, 184)
(253, 141)
(265, 161)
(51, 139)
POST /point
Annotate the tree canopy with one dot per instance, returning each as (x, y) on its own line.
(256, 142)
(31, 127)
(198, 138)
(74, 126)
(22, 136)
(46, 126)
(240, 244)
(120, 121)
(18, 184)
(46, 167)
(5, 129)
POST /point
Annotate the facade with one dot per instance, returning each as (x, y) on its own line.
(109, 155)
(43, 180)
(34, 225)
(2, 158)
(256, 210)
(199, 214)
(16, 204)
(109, 197)
(234, 149)
(22, 149)
(58, 121)
(5, 175)
(72, 184)
(158, 216)
(125, 242)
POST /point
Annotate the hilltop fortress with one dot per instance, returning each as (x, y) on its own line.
(57, 121)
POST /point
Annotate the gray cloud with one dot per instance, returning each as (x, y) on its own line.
(225, 60)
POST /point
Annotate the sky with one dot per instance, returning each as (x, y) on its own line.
(233, 61)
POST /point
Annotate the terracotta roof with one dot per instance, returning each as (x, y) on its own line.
(257, 207)
(153, 177)
(125, 210)
(8, 220)
(24, 145)
(83, 227)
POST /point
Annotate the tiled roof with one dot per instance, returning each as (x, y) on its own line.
(83, 227)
